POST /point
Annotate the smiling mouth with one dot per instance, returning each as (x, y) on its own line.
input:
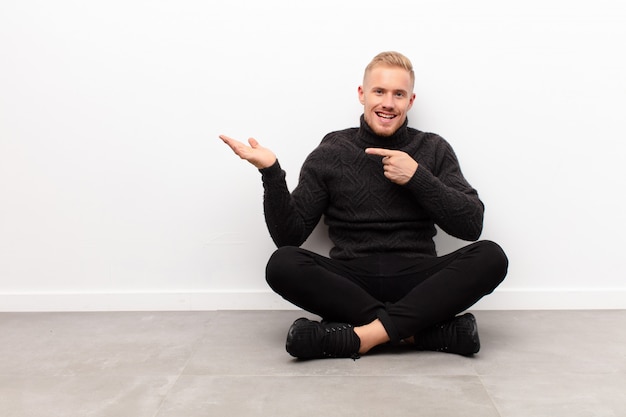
(385, 115)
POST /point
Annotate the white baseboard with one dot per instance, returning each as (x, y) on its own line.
(506, 299)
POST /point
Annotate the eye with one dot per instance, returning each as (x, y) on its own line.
(378, 91)
(400, 94)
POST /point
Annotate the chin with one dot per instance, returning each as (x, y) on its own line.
(386, 131)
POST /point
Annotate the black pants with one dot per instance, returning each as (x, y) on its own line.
(406, 294)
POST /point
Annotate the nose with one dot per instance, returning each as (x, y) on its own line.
(388, 101)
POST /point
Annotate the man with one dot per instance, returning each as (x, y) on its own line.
(381, 187)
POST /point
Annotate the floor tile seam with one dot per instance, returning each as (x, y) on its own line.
(87, 375)
(550, 372)
(491, 399)
(181, 373)
(403, 375)
(387, 376)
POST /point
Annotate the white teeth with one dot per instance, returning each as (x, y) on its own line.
(385, 116)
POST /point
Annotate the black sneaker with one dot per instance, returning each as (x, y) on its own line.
(309, 339)
(459, 335)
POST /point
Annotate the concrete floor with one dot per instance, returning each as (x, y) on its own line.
(233, 363)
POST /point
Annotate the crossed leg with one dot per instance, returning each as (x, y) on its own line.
(387, 298)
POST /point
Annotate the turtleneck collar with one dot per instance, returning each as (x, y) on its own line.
(398, 139)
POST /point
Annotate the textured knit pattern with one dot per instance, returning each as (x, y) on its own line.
(365, 212)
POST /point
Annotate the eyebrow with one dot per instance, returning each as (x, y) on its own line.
(399, 90)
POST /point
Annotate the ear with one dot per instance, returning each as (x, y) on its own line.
(361, 95)
(411, 101)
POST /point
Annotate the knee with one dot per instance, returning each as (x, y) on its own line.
(278, 266)
(494, 260)
(496, 254)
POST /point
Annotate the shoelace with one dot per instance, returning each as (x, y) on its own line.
(439, 337)
(457, 335)
(340, 341)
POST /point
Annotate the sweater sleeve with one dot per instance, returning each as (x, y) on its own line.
(447, 196)
(291, 217)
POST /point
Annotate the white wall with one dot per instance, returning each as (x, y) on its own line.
(116, 194)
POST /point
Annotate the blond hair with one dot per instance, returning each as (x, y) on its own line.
(391, 59)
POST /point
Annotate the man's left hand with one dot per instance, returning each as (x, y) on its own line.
(398, 166)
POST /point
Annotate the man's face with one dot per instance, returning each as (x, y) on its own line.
(387, 95)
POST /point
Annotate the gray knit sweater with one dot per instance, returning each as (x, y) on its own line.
(365, 212)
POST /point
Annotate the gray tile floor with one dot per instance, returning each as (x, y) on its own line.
(233, 363)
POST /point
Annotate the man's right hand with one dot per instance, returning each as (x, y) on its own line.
(257, 155)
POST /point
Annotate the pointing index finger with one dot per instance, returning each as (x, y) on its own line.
(379, 151)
